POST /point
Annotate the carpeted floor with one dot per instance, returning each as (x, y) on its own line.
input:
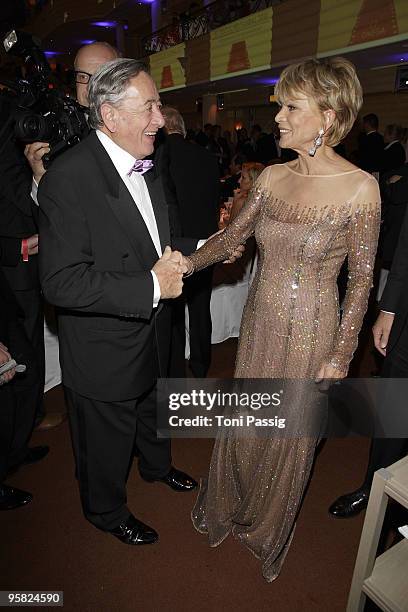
(48, 545)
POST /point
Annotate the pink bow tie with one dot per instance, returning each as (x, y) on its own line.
(141, 166)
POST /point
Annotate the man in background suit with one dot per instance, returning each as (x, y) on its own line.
(370, 145)
(390, 333)
(192, 185)
(105, 264)
(18, 256)
(17, 392)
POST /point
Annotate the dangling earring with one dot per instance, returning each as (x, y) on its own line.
(318, 141)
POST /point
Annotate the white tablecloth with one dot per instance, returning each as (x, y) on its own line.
(229, 294)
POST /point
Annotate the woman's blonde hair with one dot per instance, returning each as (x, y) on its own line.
(332, 84)
(254, 169)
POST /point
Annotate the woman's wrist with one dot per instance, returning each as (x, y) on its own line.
(190, 267)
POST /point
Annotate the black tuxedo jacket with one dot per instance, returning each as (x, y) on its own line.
(395, 295)
(96, 254)
(393, 157)
(371, 152)
(192, 185)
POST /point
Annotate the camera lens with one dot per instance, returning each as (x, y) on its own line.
(31, 127)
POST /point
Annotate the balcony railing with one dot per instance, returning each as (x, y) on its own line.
(186, 27)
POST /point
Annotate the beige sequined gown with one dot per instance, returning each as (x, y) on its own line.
(305, 226)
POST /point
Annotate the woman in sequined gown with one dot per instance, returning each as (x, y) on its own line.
(307, 216)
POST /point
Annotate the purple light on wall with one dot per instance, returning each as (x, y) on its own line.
(104, 24)
(87, 41)
(267, 81)
(395, 58)
(52, 53)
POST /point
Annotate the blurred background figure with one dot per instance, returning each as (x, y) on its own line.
(370, 145)
(394, 152)
(191, 179)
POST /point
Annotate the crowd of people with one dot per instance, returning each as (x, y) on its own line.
(121, 322)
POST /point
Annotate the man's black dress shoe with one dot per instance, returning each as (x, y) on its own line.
(11, 498)
(134, 532)
(176, 480)
(351, 504)
(35, 454)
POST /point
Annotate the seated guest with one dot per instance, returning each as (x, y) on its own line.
(249, 175)
(232, 182)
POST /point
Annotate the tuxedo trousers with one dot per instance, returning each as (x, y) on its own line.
(386, 451)
(30, 301)
(18, 400)
(105, 438)
(197, 295)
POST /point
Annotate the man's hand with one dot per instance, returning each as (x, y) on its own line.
(237, 252)
(394, 178)
(381, 331)
(34, 152)
(169, 270)
(32, 243)
(4, 358)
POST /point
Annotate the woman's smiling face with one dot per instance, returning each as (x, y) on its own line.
(299, 121)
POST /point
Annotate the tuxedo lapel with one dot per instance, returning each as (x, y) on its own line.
(132, 223)
(156, 192)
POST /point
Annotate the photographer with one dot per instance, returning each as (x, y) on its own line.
(87, 60)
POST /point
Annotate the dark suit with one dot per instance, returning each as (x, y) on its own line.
(17, 397)
(19, 219)
(395, 199)
(393, 157)
(385, 451)
(370, 152)
(95, 260)
(192, 184)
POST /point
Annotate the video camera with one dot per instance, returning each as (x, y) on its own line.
(37, 112)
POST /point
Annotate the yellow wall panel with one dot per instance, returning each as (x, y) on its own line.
(166, 69)
(242, 46)
(347, 23)
(337, 19)
(401, 9)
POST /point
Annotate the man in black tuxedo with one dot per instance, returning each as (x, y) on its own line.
(105, 264)
(192, 185)
(370, 145)
(390, 333)
(87, 60)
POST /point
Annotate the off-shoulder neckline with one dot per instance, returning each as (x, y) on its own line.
(322, 175)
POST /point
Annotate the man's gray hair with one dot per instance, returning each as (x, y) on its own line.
(109, 84)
